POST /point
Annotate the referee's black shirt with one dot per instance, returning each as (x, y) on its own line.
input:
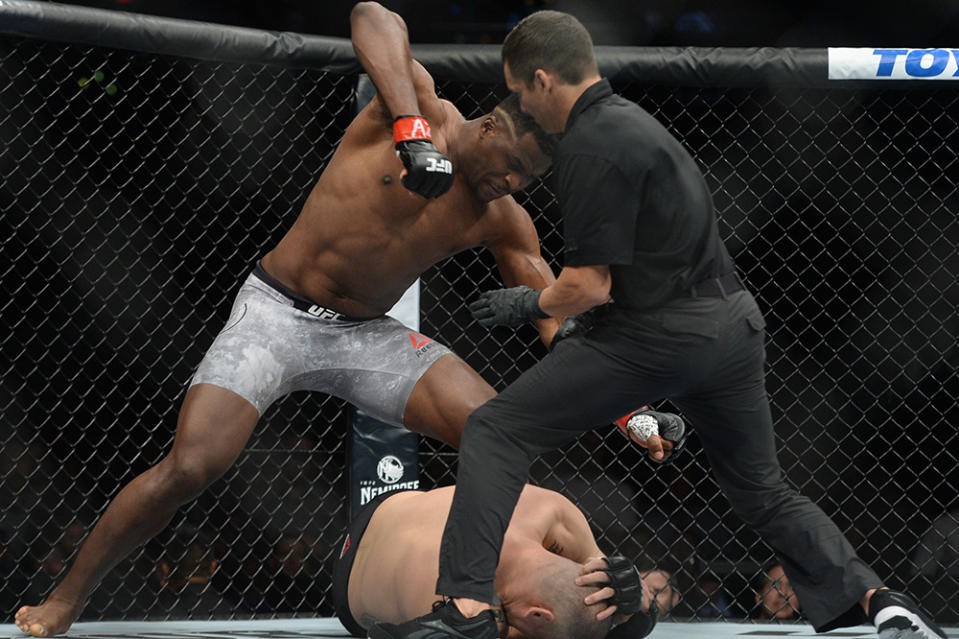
(633, 198)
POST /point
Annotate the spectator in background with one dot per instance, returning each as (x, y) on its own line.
(663, 587)
(185, 577)
(717, 603)
(775, 598)
(63, 551)
(292, 569)
(938, 552)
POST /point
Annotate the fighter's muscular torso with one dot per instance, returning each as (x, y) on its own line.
(362, 238)
(396, 565)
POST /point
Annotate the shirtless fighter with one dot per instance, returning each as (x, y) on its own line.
(388, 567)
(311, 315)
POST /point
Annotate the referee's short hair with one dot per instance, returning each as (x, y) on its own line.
(552, 41)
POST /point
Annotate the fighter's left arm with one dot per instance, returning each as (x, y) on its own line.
(549, 518)
(566, 532)
(512, 239)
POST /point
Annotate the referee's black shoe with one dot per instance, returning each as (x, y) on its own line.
(896, 616)
(446, 621)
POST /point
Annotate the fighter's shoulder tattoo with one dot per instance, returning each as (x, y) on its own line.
(554, 547)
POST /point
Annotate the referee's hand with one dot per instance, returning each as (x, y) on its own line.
(507, 306)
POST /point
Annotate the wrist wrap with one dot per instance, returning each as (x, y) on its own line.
(411, 127)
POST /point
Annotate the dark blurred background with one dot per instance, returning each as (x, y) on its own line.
(927, 23)
(129, 216)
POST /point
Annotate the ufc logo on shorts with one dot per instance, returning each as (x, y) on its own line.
(322, 313)
(439, 166)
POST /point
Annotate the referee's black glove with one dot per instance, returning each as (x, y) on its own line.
(507, 306)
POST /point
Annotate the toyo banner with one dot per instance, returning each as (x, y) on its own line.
(847, 63)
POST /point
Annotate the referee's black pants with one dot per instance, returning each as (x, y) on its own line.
(706, 355)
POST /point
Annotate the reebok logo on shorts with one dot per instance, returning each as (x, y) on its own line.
(421, 343)
(346, 546)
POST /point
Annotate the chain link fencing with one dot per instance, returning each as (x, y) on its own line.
(137, 190)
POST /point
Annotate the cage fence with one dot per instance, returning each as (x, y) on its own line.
(137, 190)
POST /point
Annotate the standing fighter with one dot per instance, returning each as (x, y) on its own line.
(639, 225)
(311, 315)
(395, 539)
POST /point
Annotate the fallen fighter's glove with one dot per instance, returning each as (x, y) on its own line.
(428, 172)
(573, 325)
(507, 306)
(645, 423)
(625, 580)
(637, 626)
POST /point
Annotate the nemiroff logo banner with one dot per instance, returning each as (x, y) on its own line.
(893, 64)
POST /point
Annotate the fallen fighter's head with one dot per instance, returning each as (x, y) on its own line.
(541, 601)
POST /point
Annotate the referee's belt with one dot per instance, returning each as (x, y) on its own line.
(717, 286)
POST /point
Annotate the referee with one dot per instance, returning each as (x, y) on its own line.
(640, 229)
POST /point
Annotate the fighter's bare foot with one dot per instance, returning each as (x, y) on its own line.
(53, 617)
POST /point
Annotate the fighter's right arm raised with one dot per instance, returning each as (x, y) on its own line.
(381, 42)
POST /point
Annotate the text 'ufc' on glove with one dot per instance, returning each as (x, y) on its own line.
(428, 172)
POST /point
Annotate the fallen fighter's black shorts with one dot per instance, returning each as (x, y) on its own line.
(344, 565)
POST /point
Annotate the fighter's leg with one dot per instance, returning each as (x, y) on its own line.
(444, 397)
(579, 386)
(213, 428)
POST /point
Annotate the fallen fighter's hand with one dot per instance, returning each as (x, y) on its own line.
(662, 434)
(507, 306)
(620, 586)
(428, 172)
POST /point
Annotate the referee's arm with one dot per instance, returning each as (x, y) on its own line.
(576, 290)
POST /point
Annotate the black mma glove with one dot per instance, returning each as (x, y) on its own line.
(637, 626)
(507, 306)
(625, 580)
(574, 325)
(428, 172)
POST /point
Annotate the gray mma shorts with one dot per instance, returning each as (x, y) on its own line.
(277, 341)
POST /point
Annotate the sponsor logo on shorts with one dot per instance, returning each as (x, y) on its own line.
(421, 344)
(321, 312)
(419, 341)
(346, 546)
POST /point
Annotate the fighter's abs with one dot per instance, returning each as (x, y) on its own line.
(356, 260)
